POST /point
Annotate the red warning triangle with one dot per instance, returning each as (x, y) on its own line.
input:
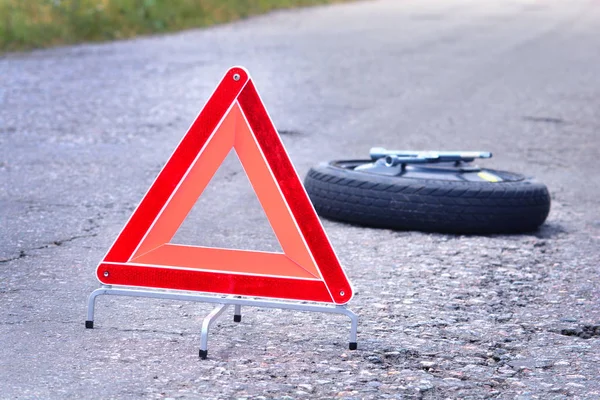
(234, 117)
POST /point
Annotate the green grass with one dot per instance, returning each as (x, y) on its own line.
(26, 24)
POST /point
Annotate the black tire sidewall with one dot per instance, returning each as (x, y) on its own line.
(427, 204)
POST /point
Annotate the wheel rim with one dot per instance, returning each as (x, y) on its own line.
(441, 171)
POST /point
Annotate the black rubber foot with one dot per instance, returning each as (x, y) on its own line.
(203, 354)
(352, 346)
(237, 318)
(89, 324)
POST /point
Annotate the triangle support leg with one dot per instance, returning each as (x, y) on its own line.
(237, 314)
(208, 321)
(222, 304)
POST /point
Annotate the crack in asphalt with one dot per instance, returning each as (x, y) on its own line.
(17, 290)
(93, 224)
(290, 132)
(22, 254)
(147, 331)
(550, 120)
(54, 243)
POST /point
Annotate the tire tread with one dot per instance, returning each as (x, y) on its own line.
(427, 205)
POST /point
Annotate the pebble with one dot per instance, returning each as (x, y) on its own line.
(568, 319)
(504, 318)
(428, 364)
(530, 364)
(451, 380)
(507, 371)
(425, 385)
(375, 359)
(307, 387)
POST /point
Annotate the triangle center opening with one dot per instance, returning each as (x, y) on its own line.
(228, 214)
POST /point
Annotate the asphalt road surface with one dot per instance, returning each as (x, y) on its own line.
(85, 129)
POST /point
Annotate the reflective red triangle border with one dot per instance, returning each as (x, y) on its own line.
(116, 268)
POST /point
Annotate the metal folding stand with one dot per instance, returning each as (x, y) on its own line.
(222, 304)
